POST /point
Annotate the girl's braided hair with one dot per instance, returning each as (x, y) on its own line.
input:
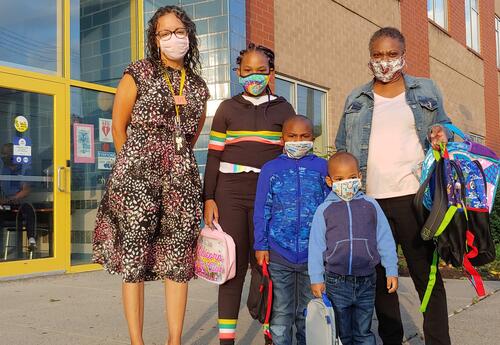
(264, 50)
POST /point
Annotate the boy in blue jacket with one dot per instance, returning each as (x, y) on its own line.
(349, 236)
(289, 190)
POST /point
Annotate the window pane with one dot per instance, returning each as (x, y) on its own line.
(286, 89)
(100, 40)
(475, 31)
(312, 103)
(90, 116)
(29, 37)
(26, 180)
(430, 9)
(440, 13)
(468, 30)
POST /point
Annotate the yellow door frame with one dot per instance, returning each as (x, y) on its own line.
(61, 225)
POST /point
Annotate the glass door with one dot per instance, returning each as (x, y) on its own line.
(92, 157)
(34, 176)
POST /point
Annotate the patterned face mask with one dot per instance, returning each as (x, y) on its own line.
(346, 189)
(254, 84)
(385, 70)
(297, 149)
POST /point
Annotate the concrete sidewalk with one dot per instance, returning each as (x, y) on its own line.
(85, 309)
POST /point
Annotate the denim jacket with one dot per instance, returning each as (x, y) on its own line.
(424, 99)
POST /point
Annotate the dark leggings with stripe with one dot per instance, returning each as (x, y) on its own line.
(235, 196)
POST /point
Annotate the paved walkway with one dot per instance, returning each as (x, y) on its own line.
(85, 309)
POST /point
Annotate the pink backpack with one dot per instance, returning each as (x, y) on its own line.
(215, 255)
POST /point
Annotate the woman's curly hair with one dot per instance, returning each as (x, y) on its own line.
(192, 59)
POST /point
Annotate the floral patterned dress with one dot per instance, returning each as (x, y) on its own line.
(149, 217)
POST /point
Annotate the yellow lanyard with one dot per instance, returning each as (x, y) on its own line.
(181, 88)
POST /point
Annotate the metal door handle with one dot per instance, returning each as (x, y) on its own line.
(59, 185)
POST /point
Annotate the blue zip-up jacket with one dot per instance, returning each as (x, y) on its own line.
(424, 99)
(288, 193)
(350, 238)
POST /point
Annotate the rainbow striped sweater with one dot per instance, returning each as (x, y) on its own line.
(244, 135)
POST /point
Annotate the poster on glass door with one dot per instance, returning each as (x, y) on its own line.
(83, 143)
(21, 150)
(105, 160)
(105, 133)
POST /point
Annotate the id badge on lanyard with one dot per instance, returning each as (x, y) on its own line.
(181, 144)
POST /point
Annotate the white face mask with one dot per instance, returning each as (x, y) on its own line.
(346, 189)
(175, 48)
(297, 149)
(385, 70)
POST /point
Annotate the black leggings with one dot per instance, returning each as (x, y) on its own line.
(235, 196)
(418, 253)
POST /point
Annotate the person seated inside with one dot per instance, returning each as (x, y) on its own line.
(13, 193)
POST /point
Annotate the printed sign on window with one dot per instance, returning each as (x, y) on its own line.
(105, 160)
(21, 124)
(105, 133)
(83, 143)
(21, 150)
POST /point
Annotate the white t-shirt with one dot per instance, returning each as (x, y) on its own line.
(259, 100)
(394, 151)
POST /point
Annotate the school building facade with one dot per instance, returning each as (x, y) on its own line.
(61, 60)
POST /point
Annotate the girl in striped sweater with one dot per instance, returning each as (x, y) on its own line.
(246, 133)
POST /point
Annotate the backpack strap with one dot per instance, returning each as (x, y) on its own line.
(470, 271)
(440, 216)
(265, 327)
(325, 299)
(457, 131)
(431, 283)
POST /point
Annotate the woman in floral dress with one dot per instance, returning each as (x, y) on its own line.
(148, 220)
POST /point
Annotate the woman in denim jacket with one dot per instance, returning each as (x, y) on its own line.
(389, 124)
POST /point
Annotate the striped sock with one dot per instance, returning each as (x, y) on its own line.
(227, 330)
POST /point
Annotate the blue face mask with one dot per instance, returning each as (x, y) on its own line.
(254, 84)
(297, 149)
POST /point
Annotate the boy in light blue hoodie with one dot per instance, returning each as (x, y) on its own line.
(289, 190)
(350, 235)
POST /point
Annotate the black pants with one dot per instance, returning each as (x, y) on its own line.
(235, 197)
(418, 253)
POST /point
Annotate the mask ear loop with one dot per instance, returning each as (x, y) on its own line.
(405, 65)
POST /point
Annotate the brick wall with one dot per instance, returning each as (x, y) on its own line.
(413, 25)
(456, 20)
(488, 52)
(325, 43)
(460, 76)
(260, 22)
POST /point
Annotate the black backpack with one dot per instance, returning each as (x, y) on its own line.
(260, 298)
